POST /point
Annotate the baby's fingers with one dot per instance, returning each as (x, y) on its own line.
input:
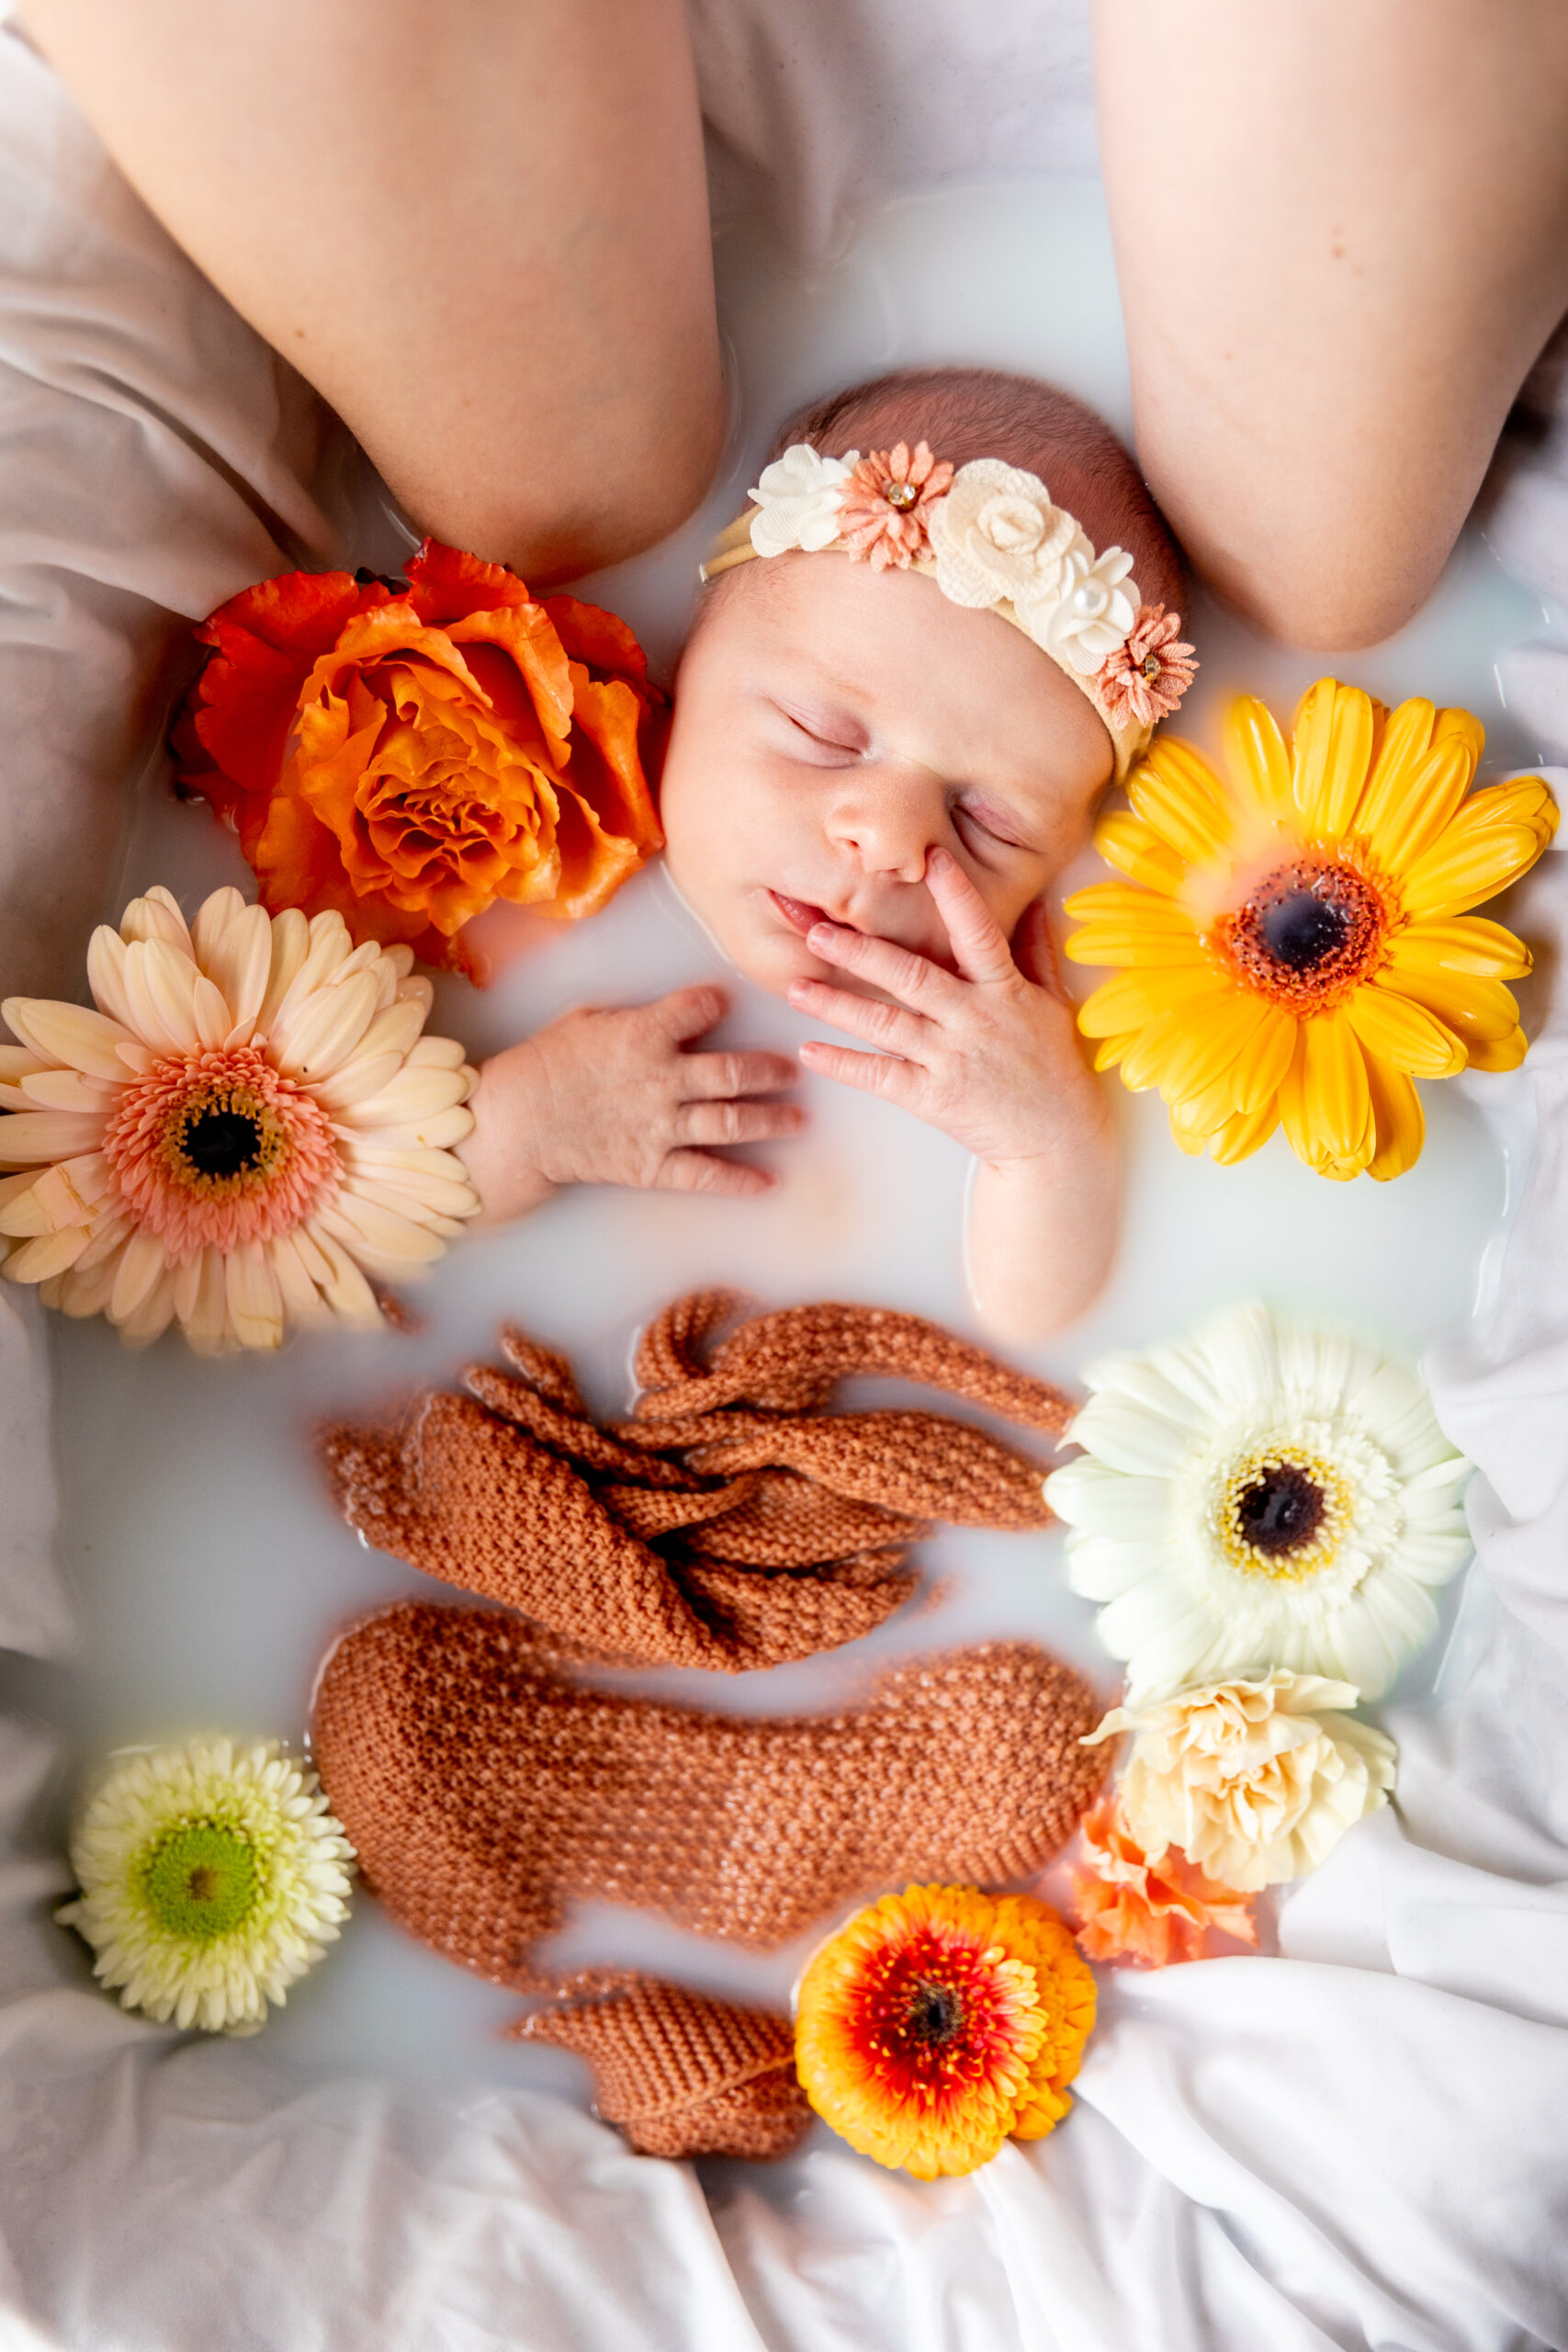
(706, 1078)
(685, 1013)
(979, 945)
(699, 1171)
(887, 1025)
(883, 1074)
(719, 1123)
(898, 972)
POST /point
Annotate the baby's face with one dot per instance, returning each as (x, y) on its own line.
(832, 726)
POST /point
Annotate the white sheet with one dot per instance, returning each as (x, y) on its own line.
(1358, 2144)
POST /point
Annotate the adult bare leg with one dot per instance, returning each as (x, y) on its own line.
(479, 227)
(1342, 236)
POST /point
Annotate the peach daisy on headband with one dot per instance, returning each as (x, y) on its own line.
(883, 514)
(248, 1126)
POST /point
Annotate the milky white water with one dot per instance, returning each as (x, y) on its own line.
(209, 1567)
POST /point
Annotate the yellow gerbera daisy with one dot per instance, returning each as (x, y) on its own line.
(1298, 944)
(941, 2021)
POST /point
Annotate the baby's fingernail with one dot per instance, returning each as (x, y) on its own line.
(939, 861)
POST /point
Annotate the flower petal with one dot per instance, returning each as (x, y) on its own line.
(29, 1136)
(1256, 754)
(1402, 1033)
(1332, 752)
(71, 1034)
(1178, 795)
(1134, 998)
(1497, 834)
(1126, 842)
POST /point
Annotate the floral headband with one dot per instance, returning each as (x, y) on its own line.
(989, 535)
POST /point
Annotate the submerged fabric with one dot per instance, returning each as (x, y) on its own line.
(1358, 2144)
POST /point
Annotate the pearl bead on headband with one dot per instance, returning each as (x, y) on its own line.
(989, 535)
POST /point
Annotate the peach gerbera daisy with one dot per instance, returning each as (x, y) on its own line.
(883, 514)
(1299, 941)
(940, 2022)
(248, 1128)
(1130, 1907)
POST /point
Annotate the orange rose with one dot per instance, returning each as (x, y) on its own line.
(409, 757)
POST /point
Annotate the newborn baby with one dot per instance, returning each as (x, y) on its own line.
(878, 765)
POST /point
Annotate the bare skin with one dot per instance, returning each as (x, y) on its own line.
(1342, 238)
(480, 229)
(618, 1098)
(866, 792)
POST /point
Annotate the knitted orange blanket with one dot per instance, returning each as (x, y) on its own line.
(486, 1786)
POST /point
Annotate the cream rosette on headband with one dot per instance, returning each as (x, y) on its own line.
(990, 536)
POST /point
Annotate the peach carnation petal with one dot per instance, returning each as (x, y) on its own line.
(1156, 1912)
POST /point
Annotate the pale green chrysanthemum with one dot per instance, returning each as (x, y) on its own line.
(211, 1879)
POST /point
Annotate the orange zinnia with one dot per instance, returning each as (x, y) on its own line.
(940, 2022)
(410, 756)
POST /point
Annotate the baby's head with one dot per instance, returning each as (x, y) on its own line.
(836, 719)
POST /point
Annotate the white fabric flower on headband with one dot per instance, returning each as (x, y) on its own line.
(996, 535)
(1090, 611)
(797, 499)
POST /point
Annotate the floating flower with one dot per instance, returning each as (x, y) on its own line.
(1298, 941)
(249, 1126)
(939, 2023)
(1130, 1907)
(996, 535)
(408, 756)
(1090, 609)
(797, 499)
(1256, 1782)
(885, 504)
(1263, 1494)
(212, 1878)
(1143, 681)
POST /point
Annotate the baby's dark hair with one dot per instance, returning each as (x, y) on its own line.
(966, 412)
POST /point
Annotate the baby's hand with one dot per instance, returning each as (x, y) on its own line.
(610, 1098)
(987, 1054)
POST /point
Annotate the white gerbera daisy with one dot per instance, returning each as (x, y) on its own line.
(248, 1125)
(1267, 1494)
(211, 1879)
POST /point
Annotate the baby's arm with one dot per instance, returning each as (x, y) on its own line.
(990, 1056)
(614, 1098)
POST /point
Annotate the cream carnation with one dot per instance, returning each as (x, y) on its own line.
(798, 499)
(1254, 1781)
(212, 1878)
(248, 1125)
(996, 535)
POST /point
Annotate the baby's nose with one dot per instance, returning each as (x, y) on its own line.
(888, 822)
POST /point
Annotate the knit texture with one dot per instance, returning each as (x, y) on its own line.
(734, 1521)
(683, 2075)
(485, 1789)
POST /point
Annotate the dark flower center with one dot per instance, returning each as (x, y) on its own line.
(1301, 929)
(222, 1143)
(1280, 1511)
(1310, 932)
(1150, 667)
(935, 2013)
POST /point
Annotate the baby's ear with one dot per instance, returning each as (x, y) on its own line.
(1034, 949)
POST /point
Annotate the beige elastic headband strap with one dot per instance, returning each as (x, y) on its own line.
(733, 546)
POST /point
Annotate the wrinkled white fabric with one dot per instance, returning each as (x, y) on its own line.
(1358, 2144)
